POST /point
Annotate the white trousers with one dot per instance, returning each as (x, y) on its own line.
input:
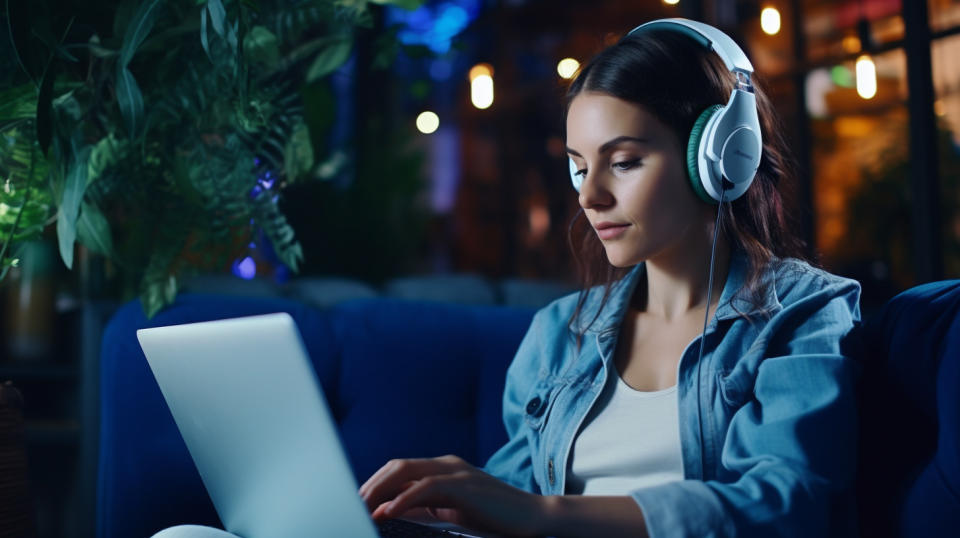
(193, 531)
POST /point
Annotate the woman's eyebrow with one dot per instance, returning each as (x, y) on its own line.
(613, 142)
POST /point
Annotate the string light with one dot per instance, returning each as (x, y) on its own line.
(770, 20)
(427, 122)
(567, 67)
(866, 77)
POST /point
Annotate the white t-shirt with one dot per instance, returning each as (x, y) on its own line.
(630, 439)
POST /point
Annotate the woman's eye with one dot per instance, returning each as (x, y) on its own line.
(626, 165)
(582, 172)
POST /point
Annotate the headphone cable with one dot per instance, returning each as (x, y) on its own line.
(724, 183)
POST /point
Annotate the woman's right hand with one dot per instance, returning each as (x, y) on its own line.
(452, 490)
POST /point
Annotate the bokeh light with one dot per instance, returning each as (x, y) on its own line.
(428, 122)
(866, 77)
(567, 67)
(481, 86)
(245, 268)
(770, 20)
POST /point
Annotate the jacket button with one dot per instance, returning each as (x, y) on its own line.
(550, 475)
(533, 407)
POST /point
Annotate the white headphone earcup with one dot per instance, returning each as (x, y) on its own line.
(577, 180)
(731, 147)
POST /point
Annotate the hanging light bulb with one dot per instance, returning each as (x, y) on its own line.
(866, 77)
(866, 69)
(770, 20)
(481, 86)
(671, 2)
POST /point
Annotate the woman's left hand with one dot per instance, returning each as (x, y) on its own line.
(454, 491)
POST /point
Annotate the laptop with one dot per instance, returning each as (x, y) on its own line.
(252, 413)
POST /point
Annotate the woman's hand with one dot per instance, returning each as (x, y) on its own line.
(455, 491)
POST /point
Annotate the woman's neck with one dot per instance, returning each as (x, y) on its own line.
(676, 280)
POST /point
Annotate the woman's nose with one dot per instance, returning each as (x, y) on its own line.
(593, 192)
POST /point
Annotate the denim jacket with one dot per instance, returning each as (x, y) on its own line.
(767, 439)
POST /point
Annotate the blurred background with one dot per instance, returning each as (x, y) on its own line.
(324, 150)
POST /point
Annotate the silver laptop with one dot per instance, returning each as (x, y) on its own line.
(252, 413)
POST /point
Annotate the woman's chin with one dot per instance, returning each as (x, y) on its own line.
(621, 260)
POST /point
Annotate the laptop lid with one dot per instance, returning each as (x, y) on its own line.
(253, 416)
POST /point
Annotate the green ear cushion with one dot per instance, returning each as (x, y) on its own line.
(693, 148)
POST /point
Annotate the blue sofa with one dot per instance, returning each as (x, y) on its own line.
(414, 378)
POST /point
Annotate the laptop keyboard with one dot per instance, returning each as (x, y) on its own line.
(399, 528)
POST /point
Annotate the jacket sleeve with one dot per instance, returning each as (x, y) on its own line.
(512, 462)
(791, 446)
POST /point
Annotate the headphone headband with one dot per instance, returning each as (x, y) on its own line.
(708, 36)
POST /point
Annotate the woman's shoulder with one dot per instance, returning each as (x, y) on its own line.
(559, 310)
(795, 279)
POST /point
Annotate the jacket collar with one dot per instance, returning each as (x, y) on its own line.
(729, 307)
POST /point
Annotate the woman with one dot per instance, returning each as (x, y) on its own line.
(622, 419)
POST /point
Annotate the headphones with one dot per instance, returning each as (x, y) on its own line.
(724, 148)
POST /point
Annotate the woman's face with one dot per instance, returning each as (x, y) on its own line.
(633, 175)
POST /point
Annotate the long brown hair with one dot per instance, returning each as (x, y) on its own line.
(676, 79)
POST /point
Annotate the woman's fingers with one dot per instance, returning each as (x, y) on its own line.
(465, 495)
(436, 491)
(394, 465)
(397, 475)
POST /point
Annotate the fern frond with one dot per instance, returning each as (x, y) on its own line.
(275, 226)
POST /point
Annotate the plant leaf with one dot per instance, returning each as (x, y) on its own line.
(204, 42)
(98, 50)
(232, 34)
(24, 197)
(66, 236)
(405, 4)
(260, 45)
(106, 153)
(330, 58)
(158, 293)
(45, 108)
(217, 15)
(93, 230)
(137, 31)
(73, 189)
(274, 224)
(298, 155)
(130, 101)
(18, 102)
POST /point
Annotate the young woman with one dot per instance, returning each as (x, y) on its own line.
(625, 417)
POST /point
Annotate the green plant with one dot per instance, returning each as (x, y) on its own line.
(148, 126)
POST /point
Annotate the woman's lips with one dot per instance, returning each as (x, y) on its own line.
(611, 232)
